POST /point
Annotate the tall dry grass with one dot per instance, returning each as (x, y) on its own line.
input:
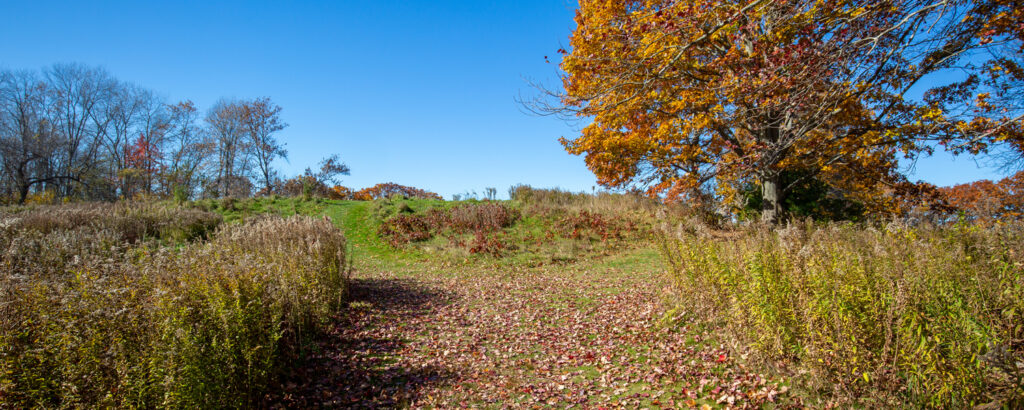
(891, 314)
(132, 221)
(89, 319)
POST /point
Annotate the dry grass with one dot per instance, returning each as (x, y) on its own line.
(91, 318)
(884, 315)
(131, 221)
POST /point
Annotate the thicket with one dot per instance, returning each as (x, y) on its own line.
(537, 227)
(95, 311)
(482, 220)
(931, 315)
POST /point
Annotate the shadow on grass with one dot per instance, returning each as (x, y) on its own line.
(359, 362)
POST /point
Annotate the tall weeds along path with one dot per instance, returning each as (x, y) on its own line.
(587, 335)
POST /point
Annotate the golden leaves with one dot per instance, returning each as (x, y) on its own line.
(683, 94)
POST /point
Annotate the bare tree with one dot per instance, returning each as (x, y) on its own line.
(262, 119)
(27, 141)
(76, 131)
(121, 112)
(188, 149)
(228, 130)
(76, 92)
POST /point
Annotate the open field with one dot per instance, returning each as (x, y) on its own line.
(551, 300)
(766, 204)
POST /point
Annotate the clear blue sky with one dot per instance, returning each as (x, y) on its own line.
(415, 92)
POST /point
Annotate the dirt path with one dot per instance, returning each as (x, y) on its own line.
(560, 336)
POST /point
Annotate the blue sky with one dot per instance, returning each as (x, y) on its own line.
(420, 93)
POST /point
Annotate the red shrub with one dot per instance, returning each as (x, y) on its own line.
(585, 224)
(403, 229)
(486, 217)
(487, 244)
(481, 220)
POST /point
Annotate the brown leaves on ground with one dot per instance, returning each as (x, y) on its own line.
(557, 336)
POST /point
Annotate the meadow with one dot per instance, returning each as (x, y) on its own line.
(551, 299)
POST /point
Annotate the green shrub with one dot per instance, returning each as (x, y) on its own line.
(120, 325)
(929, 315)
(180, 194)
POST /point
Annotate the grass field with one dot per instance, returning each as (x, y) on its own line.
(548, 300)
(430, 326)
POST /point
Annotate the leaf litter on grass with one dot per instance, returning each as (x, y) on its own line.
(578, 335)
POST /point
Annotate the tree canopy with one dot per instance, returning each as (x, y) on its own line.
(76, 132)
(696, 98)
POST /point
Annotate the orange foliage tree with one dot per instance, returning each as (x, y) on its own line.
(692, 97)
(989, 201)
(991, 97)
(340, 192)
(387, 189)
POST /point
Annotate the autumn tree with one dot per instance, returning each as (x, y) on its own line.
(147, 149)
(120, 112)
(262, 119)
(142, 159)
(988, 201)
(691, 97)
(990, 97)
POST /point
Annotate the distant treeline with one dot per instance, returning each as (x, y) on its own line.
(73, 131)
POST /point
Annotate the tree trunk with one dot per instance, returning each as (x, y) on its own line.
(23, 193)
(771, 198)
(266, 182)
(224, 175)
(771, 195)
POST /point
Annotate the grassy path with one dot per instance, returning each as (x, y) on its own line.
(590, 334)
